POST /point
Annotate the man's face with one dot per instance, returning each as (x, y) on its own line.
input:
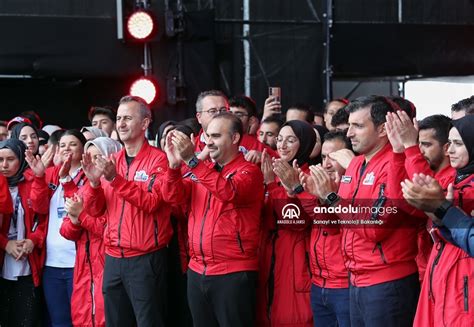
(222, 145)
(242, 114)
(268, 134)
(3, 133)
(331, 166)
(458, 114)
(431, 149)
(332, 108)
(131, 126)
(211, 106)
(366, 139)
(104, 123)
(295, 114)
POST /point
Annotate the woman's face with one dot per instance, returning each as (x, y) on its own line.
(165, 132)
(94, 152)
(70, 145)
(287, 144)
(29, 137)
(457, 151)
(9, 163)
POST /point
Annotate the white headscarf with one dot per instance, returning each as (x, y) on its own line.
(106, 145)
(94, 131)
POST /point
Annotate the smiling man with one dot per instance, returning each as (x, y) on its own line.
(225, 199)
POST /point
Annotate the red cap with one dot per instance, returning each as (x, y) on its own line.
(17, 120)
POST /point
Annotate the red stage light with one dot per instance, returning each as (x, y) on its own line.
(140, 25)
(145, 89)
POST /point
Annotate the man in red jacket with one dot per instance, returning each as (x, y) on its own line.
(126, 189)
(379, 244)
(225, 198)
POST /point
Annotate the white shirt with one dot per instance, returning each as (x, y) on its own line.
(12, 269)
(60, 252)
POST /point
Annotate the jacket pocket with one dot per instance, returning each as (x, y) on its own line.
(301, 268)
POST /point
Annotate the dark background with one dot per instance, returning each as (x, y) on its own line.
(59, 57)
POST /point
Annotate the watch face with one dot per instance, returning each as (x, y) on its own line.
(332, 196)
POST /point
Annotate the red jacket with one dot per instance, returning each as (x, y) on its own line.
(283, 295)
(416, 163)
(87, 302)
(6, 205)
(138, 221)
(224, 219)
(34, 220)
(375, 253)
(447, 295)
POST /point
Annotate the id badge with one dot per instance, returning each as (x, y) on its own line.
(61, 212)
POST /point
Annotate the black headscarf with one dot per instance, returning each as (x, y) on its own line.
(465, 127)
(16, 130)
(305, 134)
(161, 130)
(19, 148)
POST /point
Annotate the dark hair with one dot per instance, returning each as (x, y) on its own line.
(273, 119)
(236, 124)
(342, 101)
(43, 137)
(340, 117)
(193, 124)
(379, 107)
(304, 108)
(404, 105)
(441, 125)
(340, 136)
(465, 104)
(3, 123)
(184, 129)
(318, 114)
(34, 118)
(76, 134)
(56, 136)
(106, 111)
(244, 102)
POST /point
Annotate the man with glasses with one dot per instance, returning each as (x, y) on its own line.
(245, 109)
(208, 104)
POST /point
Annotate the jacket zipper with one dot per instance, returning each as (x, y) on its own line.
(202, 231)
(466, 294)
(378, 245)
(120, 220)
(156, 232)
(239, 240)
(92, 290)
(316, 255)
(435, 262)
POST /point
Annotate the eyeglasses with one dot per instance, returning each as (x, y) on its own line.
(239, 114)
(215, 111)
(288, 140)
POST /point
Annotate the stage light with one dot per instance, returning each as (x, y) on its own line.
(141, 25)
(144, 88)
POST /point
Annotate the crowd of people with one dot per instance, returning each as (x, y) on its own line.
(358, 216)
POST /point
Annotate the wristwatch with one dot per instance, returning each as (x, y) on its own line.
(331, 198)
(298, 189)
(442, 209)
(66, 179)
(193, 162)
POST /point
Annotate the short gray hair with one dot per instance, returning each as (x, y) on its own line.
(145, 111)
(202, 95)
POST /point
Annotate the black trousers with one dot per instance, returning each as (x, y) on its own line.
(135, 290)
(20, 303)
(223, 300)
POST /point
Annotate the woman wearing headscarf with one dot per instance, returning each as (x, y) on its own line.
(284, 278)
(447, 293)
(22, 237)
(63, 181)
(91, 132)
(87, 302)
(28, 134)
(315, 156)
(163, 130)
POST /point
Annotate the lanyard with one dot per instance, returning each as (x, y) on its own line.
(15, 213)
